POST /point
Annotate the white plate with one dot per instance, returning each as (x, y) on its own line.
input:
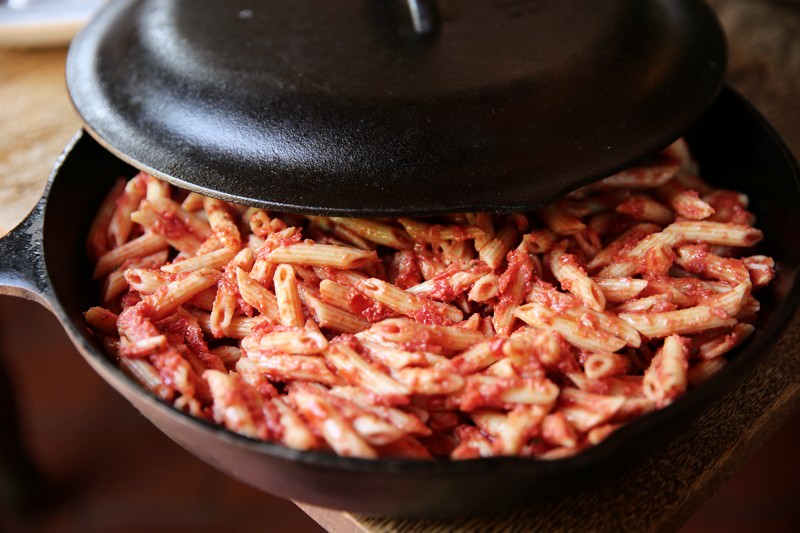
(39, 23)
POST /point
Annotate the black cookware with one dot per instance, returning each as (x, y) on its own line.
(43, 259)
(340, 107)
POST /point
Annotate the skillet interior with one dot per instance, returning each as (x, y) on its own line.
(735, 147)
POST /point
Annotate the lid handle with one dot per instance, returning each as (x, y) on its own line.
(424, 16)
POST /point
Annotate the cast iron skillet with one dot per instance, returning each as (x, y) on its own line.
(43, 259)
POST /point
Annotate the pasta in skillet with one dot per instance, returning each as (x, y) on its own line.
(461, 336)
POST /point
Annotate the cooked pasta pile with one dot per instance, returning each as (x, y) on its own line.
(460, 336)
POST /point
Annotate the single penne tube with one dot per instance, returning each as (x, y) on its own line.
(183, 231)
(513, 284)
(666, 377)
(494, 252)
(120, 226)
(142, 346)
(146, 244)
(407, 303)
(372, 428)
(719, 233)
(605, 364)
(608, 322)
(282, 367)
(144, 373)
(725, 341)
(227, 354)
(588, 241)
(393, 356)
(629, 262)
(205, 299)
(430, 233)
(573, 331)
(404, 330)
(358, 371)
(550, 348)
(646, 209)
(334, 293)
(686, 291)
(232, 407)
(337, 432)
(223, 310)
(239, 327)
(432, 380)
(686, 202)
(574, 279)
(296, 434)
(430, 264)
(679, 152)
(445, 288)
(557, 431)
(644, 177)
(335, 318)
(697, 259)
(704, 370)
(406, 422)
(531, 391)
(730, 302)
(472, 444)
(102, 320)
(457, 252)
(290, 309)
(512, 429)
(620, 289)
(682, 321)
(97, 239)
(621, 244)
(485, 288)
(559, 220)
(538, 242)
(222, 223)
(477, 357)
(253, 293)
(259, 221)
(344, 234)
(657, 303)
(193, 202)
(322, 255)
(490, 421)
(490, 391)
(586, 410)
(167, 300)
(288, 340)
(115, 283)
(377, 232)
(156, 189)
(214, 259)
(263, 272)
(145, 280)
(761, 269)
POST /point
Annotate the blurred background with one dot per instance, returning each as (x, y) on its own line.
(105, 468)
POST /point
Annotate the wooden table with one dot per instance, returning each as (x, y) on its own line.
(36, 121)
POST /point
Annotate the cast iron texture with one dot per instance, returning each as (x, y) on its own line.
(341, 108)
(736, 149)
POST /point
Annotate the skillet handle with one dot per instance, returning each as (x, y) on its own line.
(22, 270)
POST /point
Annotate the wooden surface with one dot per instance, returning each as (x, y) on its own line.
(37, 120)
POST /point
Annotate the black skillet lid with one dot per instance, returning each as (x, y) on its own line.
(346, 107)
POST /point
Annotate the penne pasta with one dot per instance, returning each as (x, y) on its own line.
(458, 336)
